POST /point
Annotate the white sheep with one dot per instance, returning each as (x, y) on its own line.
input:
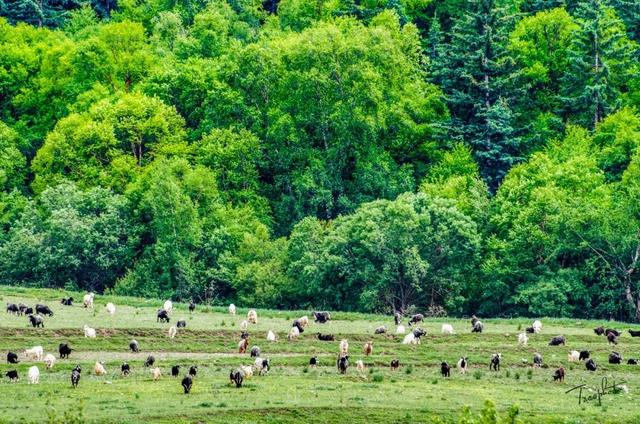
(173, 331)
(49, 360)
(111, 308)
(344, 347)
(537, 326)
(87, 300)
(410, 339)
(271, 337)
(244, 325)
(36, 353)
(573, 356)
(304, 321)
(156, 373)
(89, 332)
(99, 369)
(34, 375)
(447, 329)
(252, 316)
(522, 339)
(360, 366)
(462, 365)
(293, 333)
(168, 306)
(247, 370)
(400, 329)
(259, 365)
(232, 309)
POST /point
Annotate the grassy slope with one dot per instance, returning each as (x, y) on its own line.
(291, 392)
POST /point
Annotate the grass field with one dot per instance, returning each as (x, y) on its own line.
(293, 393)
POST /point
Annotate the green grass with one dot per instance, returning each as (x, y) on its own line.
(292, 392)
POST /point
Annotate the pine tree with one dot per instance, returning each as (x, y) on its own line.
(435, 51)
(629, 12)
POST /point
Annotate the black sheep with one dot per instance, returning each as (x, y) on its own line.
(557, 341)
(559, 375)
(416, 319)
(75, 376)
(313, 362)
(193, 370)
(395, 364)
(343, 364)
(584, 354)
(13, 375)
(12, 308)
(67, 301)
(12, 358)
(380, 330)
(134, 347)
(28, 311)
(326, 337)
(150, 361)
(445, 369)
(175, 370)
(36, 321)
(632, 361)
(125, 369)
(255, 351)
(64, 350)
(187, 382)
(495, 362)
(530, 330)
(612, 339)
(615, 358)
(162, 316)
(181, 324)
(599, 330)
(236, 377)
(192, 306)
(634, 333)
(44, 310)
(321, 317)
(590, 365)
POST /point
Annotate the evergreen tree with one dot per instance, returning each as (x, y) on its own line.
(629, 12)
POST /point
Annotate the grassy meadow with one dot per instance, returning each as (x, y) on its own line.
(292, 392)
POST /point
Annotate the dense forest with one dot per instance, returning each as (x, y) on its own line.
(445, 156)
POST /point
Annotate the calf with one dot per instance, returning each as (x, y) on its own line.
(162, 316)
(13, 309)
(416, 319)
(590, 365)
(395, 364)
(559, 375)
(326, 337)
(150, 361)
(175, 370)
(343, 364)
(495, 362)
(125, 369)
(12, 358)
(64, 350)
(615, 358)
(13, 375)
(181, 324)
(44, 310)
(557, 341)
(187, 382)
(193, 370)
(75, 376)
(445, 369)
(321, 317)
(236, 378)
(36, 321)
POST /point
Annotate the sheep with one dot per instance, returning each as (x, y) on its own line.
(187, 382)
(634, 333)
(34, 375)
(530, 330)
(44, 310)
(125, 369)
(445, 369)
(599, 330)
(12, 375)
(232, 309)
(343, 364)
(75, 376)
(584, 354)
(537, 326)
(397, 318)
(111, 308)
(557, 341)
(181, 324)
(244, 325)
(416, 319)
(537, 360)
(262, 365)
(236, 378)
(12, 308)
(35, 352)
(304, 321)
(632, 361)
(409, 339)
(149, 361)
(368, 348)
(447, 329)
(474, 319)
(615, 358)
(360, 366)
(87, 300)
(22, 309)
(523, 339)
(64, 350)
(559, 375)
(12, 358)
(293, 333)
(99, 370)
(36, 321)
(326, 337)
(321, 317)
(173, 330)
(380, 330)
(156, 373)
(252, 316)
(49, 361)
(590, 365)
(175, 370)
(298, 325)
(162, 315)
(243, 345)
(573, 356)
(477, 327)
(247, 370)
(395, 364)
(400, 329)
(255, 352)
(611, 338)
(28, 311)
(193, 370)
(417, 334)
(134, 346)
(495, 361)
(89, 332)
(313, 361)
(192, 306)
(611, 330)
(344, 347)
(168, 306)
(271, 337)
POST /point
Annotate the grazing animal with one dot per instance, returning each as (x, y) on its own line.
(474, 319)
(632, 361)
(343, 364)
(417, 334)
(495, 362)
(49, 361)
(416, 319)
(410, 339)
(243, 345)
(162, 315)
(537, 326)
(298, 325)
(293, 333)
(634, 333)
(13, 375)
(397, 318)
(232, 309)
(612, 339)
(87, 300)
(150, 361)
(395, 364)
(244, 335)
(89, 332)
(400, 329)
(12, 358)
(168, 306)
(75, 376)
(36, 321)
(173, 330)
(304, 321)
(615, 358)
(255, 352)
(380, 330)
(344, 347)
(537, 360)
(573, 356)
(44, 310)
(360, 366)
(271, 337)
(34, 375)
(13, 309)
(236, 378)
(252, 316)
(111, 308)
(125, 369)
(611, 330)
(584, 354)
(35, 352)
(447, 329)
(22, 308)
(313, 361)
(326, 337)
(477, 327)
(262, 365)
(599, 330)
(463, 364)
(445, 369)
(590, 365)
(244, 325)
(530, 330)
(247, 370)
(557, 341)
(181, 324)
(368, 348)
(321, 317)
(559, 375)
(28, 311)
(192, 306)
(64, 350)
(523, 339)
(134, 346)
(187, 382)
(193, 370)
(175, 370)
(99, 369)
(156, 373)
(67, 302)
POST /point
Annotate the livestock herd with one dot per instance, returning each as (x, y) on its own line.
(261, 365)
